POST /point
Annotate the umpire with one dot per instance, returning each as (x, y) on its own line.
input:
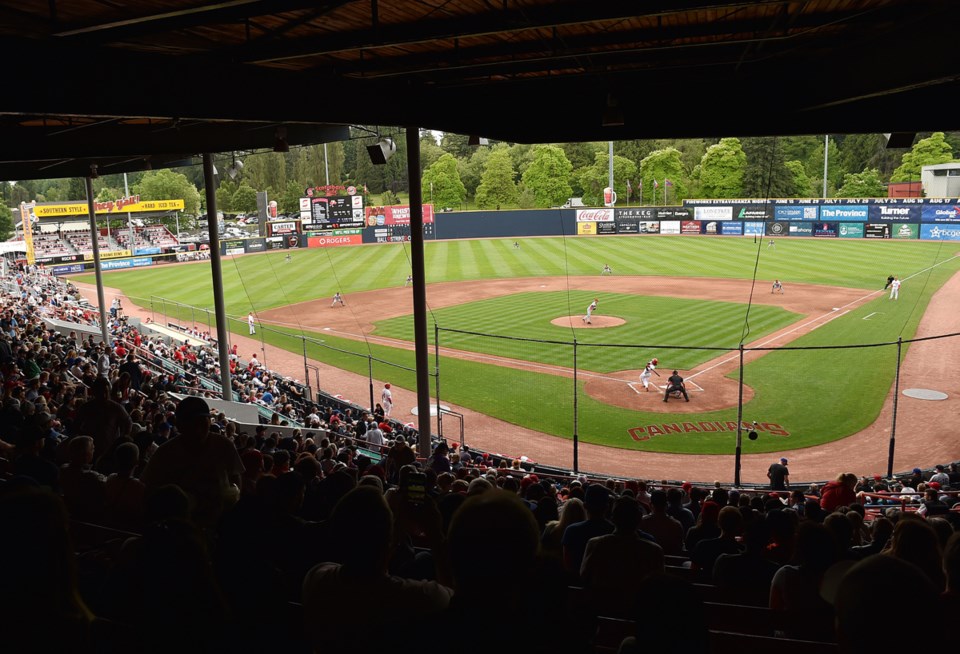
(890, 279)
(675, 383)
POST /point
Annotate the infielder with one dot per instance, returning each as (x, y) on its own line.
(338, 299)
(607, 270)
(777, 287)
(386, 400)
(590, 310)
(895, 289)
(409, 281)
(650, 369)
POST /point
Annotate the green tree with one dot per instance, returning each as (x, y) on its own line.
(691, 150)
(441, 183)
(721, 170)
(659, 166)
(430, 152)
(265, 172)
(801, 148)
(546, 176)
(802, 184)
(866, 184)
(168, 185)
(245, 199)
(225, 196)
(766, 174)
(858, 152)
(472, 169)
(581, 155)
(930, 151)
(497, 184)
(595, 178)
(289, 202)
(7, 222)
(389, 198)
(456, 144)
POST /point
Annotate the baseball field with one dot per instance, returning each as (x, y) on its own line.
(509, 317)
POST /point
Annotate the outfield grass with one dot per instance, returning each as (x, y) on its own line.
(816, 395)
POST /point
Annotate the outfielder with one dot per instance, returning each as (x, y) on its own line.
(590, 310)
(607, 270)
(650, 369)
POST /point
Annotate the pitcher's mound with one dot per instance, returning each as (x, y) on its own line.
(596, 322)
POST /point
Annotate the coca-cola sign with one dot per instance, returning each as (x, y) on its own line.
(594, 215)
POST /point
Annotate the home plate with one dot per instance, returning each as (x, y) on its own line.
(433, 409)
(836, 309)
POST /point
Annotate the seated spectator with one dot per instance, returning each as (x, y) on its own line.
(614, 565)
(575, 538)
(839, 492)
(124, 493)
(748, 572)
(83, 489)
(102, 418)
(855, 602)
(706, 526)
(915, 541)
(796, 588)
(667, 531)
(881, 529)
(361, 525)
(706, 552)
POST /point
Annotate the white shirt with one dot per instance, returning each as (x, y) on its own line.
(386, 397)
(895, 284)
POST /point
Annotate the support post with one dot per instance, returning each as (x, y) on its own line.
(216, 272)
(373, 404)
(306, 367)
(95, 237)
(896, 398)
(739, 451)
(419, 290)
(576, 417)
(436, 378)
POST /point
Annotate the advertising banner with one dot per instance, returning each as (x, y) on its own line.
(606, 228)
(825, 230)
(595, 215)
(669, 226)
(711, 226)
(906, 231)
(27, 231)
(133, 204)
(778, 228)
(801, 229)
(850, 230)
(636, 214)
(107, 254)
(844, 212)
(754, 212)
(281, 227)
(293, 240)
(753, 228)
(674, 213)
(255, 245)
(887, 213)
(796, 212)
(153, 250)
(941, 232)
(126, 263)
(333, 241)
(275, 243)
(713, 213)
(625, 227)
(940, 213)
(586, 229)
(67, 270)
(232, 247)
(395, 215)
(651, 227)
(731, 228)
(344, 210)
(690, 227)
(879, 230)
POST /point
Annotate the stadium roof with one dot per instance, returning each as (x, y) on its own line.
(119, 82)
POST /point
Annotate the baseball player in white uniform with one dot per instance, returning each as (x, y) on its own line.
(386, 400)
(338, 299)
(251, 323)
(590, 310)
(650, 369)
(895, 289)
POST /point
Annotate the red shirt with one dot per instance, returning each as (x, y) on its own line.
(836, 494)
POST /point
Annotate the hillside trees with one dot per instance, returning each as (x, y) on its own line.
(547, 176)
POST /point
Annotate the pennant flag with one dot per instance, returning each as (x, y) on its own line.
(629, 188)
(640, 186)
(656, 184)
(667, 182)
(365, 192)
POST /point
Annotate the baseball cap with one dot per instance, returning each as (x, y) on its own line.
(192, 407)
(783, 460)
(935, 485)
(917, 471)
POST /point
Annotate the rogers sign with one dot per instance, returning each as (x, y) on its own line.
(334, 241)
(594, 215)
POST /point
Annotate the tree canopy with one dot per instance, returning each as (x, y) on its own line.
(168, 185)
(930, 151)
(547, 176)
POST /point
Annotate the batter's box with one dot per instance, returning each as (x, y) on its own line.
(691, 387)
